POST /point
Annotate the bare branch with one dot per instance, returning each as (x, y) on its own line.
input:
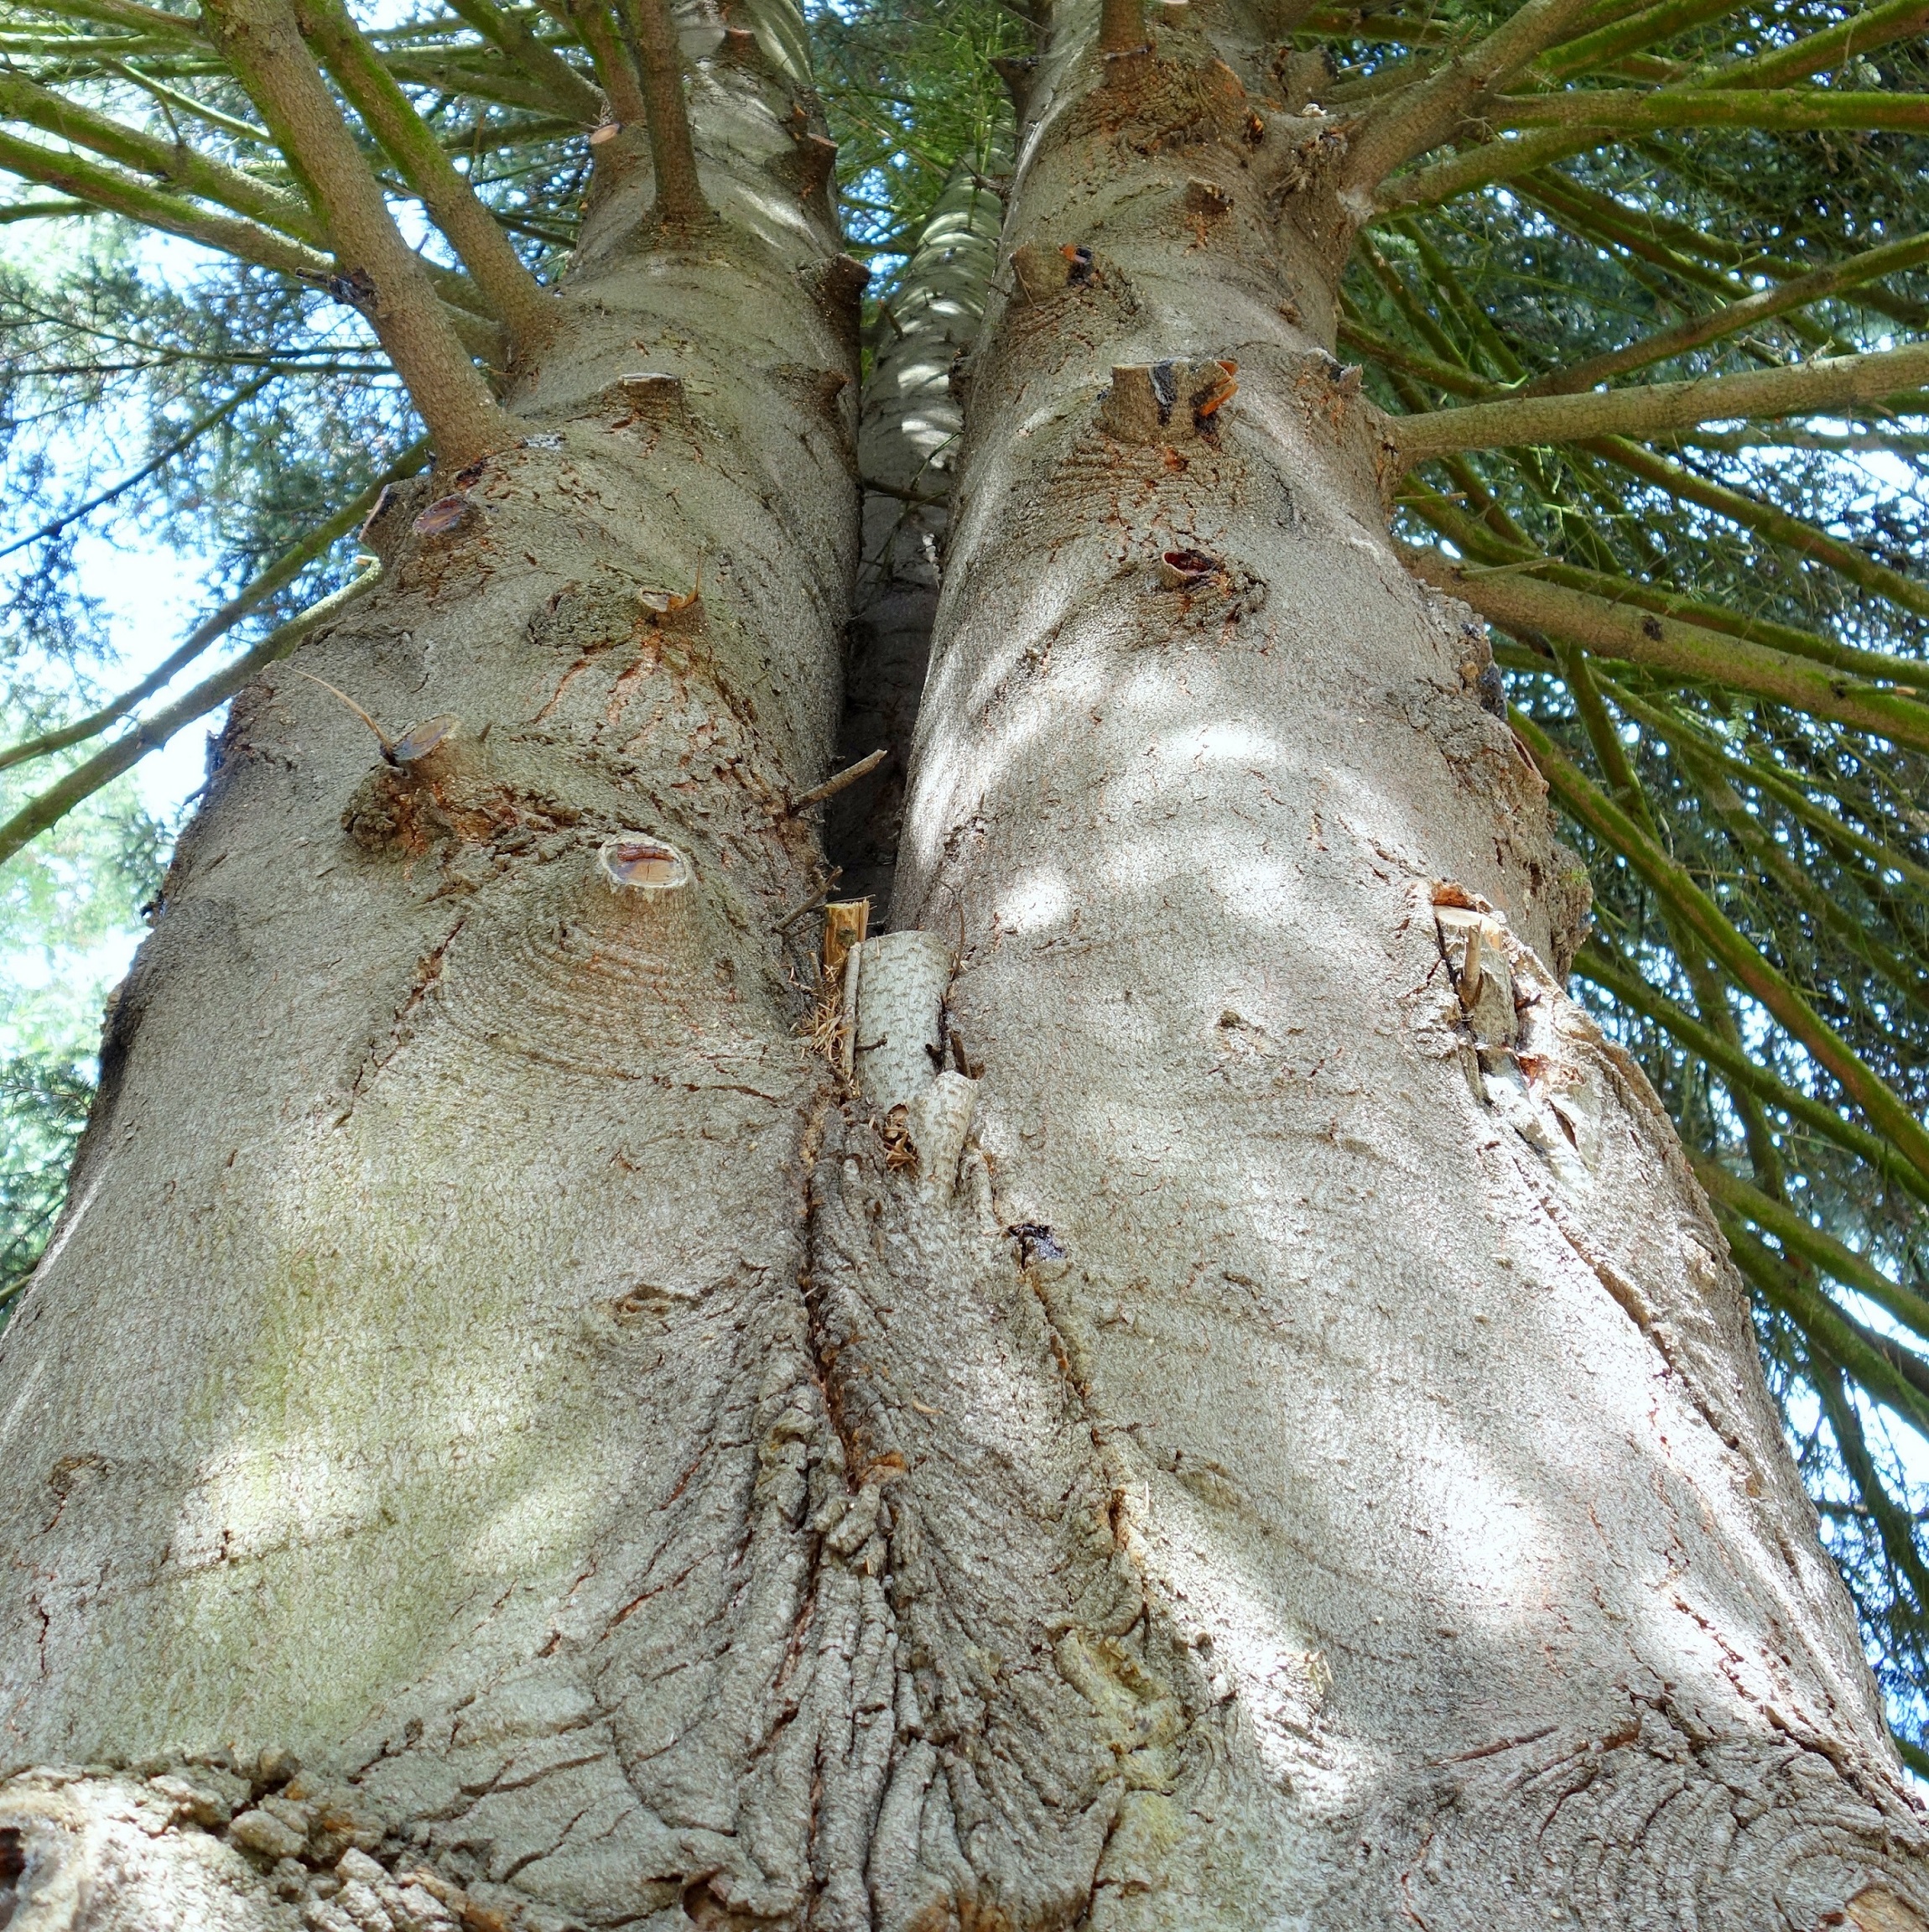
(1122, 27)
(1517, 602)
(1806, 389)
(385, 277)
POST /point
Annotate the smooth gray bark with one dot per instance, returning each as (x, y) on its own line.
(1400, 1532)
(416, 1376)
(1234, 1413)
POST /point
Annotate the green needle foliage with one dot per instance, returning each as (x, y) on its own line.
(1711, 608)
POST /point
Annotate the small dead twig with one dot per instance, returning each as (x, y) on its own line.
(813, 903)
(838, 780)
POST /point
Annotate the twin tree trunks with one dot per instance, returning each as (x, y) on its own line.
(516, 1429)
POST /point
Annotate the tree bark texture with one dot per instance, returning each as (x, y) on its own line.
(1219, 1403)
(907, 445)
(1459, 1575)
(425, 1326)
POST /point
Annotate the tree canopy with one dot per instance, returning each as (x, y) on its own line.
(1644, 292)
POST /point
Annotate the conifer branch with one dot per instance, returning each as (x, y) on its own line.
(1884, 1111)
(1809, 388)
(1765, 520)
(1622, 110)
(1483, 544)
(46, 211)
(468, 72)
(1605, 41)
(1832, 47)
(38, 815)
(173, 98)
(620, 83)
(511, 291)
(1595, 963)
(1426, 114)
(1518, 601)
(1894, 1525)
(180, 165)
(1894, 1375)
(1481, 166)
(277, 577)
(121, 193)
(189, 436)
(569, 93)
(128, 14)
(1779, 874)
(1872, 858)
(1598, 220)
(379, 271)
(679, 194)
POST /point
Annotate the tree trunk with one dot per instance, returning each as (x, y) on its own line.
(1396, 1529)
(1267, 1435)
(419, 1375)
(908, 436)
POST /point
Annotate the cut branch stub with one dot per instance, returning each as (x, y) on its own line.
(1043, 272)
(1167, 402)
(661, 607)
(845, 923)
(937, 1122)
(900, 1016)
(1186, 569)
(639, 862)
(838, 282)
(651, 393)
(1018, 72)
(418, 741)
(1475, 946)
(807, 167)
(1206, 201)
(445, 516)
